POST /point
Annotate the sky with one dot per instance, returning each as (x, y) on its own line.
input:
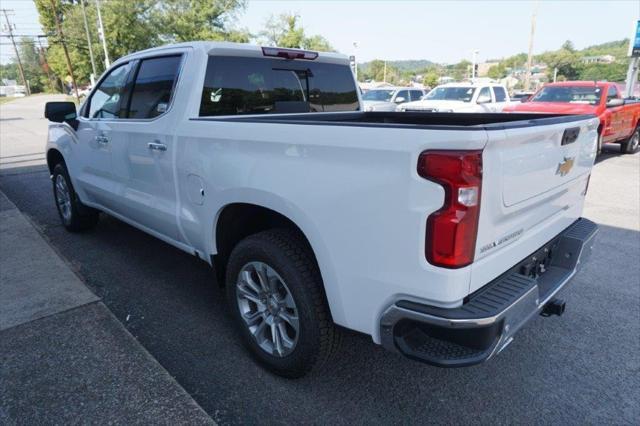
(440, 31)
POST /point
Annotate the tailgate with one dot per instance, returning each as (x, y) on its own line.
(534, 179)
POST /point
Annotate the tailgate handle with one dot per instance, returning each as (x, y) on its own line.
(570, 135)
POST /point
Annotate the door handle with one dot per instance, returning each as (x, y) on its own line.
(102, 139)
(156, 146)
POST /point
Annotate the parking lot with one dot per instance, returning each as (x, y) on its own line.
(581, 368)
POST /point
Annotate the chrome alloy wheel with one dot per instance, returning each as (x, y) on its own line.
(63, 197)
(267, 308)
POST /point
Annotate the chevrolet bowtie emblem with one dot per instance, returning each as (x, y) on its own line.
(565, 166)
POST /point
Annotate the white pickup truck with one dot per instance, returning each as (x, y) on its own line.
(461, 97)
(439, 235)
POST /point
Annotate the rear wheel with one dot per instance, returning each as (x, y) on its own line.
(74, 215)
(276, 296)
(631, 145)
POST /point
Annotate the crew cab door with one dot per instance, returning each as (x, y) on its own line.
(620, 119)
(484, 100)
(145, 166)
(99, 115)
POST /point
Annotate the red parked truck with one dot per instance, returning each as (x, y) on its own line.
(619, 117)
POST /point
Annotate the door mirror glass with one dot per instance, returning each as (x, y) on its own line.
(61, 112)
(615, 102)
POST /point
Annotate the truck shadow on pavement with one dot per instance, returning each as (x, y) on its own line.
(572, 369)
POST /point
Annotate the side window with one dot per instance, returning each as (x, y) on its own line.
(153, 86)
(612, 93)
(402, 94)
(500, 94)
(416, 95)
(484, 96)
(106, 101)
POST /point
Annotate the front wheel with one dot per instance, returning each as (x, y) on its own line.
(276, 296)
(74, 215)
(631, 145)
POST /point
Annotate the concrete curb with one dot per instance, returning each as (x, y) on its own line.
(65, 357)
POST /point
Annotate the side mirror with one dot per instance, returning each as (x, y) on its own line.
(62, 112)
(400, 100)
(615, 102)
(483, 100)
(524, 99)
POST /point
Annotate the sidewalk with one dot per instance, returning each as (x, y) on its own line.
(64, 357)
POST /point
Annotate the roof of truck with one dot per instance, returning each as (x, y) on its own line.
(225, 48)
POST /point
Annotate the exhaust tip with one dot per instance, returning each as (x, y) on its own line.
(553, 307)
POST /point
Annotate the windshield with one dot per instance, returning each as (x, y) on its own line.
(463, 94)
(589, 95)
(378, 95)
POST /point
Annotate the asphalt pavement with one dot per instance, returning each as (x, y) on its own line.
(583, 367)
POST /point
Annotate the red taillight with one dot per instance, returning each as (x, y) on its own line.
(452, 230)
(289, 53)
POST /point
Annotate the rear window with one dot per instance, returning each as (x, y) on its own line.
(237, 85)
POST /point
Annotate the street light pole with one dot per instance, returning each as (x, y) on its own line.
(102, 36)
(473, 65)
(527, 77)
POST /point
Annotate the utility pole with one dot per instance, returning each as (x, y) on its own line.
(64, 48)
(102, 36)
(384, 74)
(15, 48)
(473, 65)
(86, 28)
(527, 77)
(45, 64)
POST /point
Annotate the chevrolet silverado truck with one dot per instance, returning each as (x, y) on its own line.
(619, 118)
(461, 97)
(438, 235)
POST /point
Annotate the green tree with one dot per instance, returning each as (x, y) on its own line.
(431, 79)
(284, 31)
(31, 63)
(609, 72)
(497, 72)
(566, 60)
(187, 20)
(132, 26)
(375, 70)
(317, 43)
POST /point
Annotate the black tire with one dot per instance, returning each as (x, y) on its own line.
(288, 254)
(631, 145)
(78, 217)
(600, 143)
